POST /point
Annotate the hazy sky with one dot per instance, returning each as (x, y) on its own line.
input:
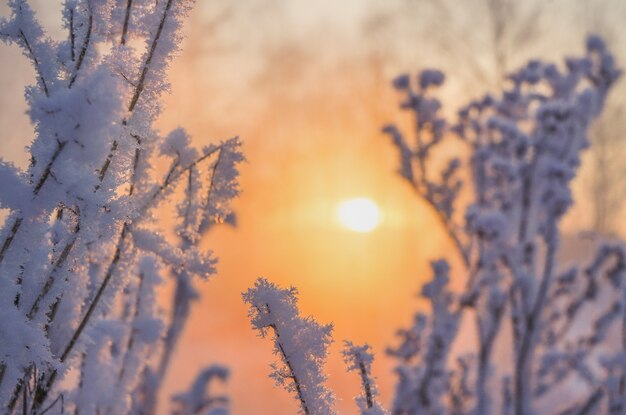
(305, 84)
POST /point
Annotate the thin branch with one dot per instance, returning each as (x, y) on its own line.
(367, 387)
(426, 194)
(133, 178)
(36, 189)
(25, 401)
(48, 169)
(292, 374)
(484, 356)
(49, 407)
(590, 403)
(96, 299)
(129, 5)
(213, 171)
(107, 163)
(173, 175)
(448, 226)
(146, 65)
(57, 265)
(44, 84)
(189, 196)
(523, 360)
(42, 391)
(72, 35)
(10, 237)
(140, 83)
(83, 50)
(131, 336)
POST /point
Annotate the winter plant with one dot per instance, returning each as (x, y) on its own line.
(82, 251)
(539, 336)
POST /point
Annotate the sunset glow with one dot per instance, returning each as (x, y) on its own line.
(359, 214)
(252, 207)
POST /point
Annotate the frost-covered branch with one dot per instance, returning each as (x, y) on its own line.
(359, 359)
(440, 194)
(301, 344)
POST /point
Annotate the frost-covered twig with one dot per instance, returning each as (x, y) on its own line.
(359, 359)
(301, 344)
(429, 127)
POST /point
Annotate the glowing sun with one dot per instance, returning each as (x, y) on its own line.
(359, 214)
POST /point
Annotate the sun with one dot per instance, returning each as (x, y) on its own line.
(359, 214)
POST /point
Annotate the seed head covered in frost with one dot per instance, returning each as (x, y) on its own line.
(431, 77)
(300, 343)
(402, 82)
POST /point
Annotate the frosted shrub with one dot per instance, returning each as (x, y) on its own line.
(82, 252)
(547, 338)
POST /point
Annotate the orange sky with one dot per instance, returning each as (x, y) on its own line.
(311, 122)
(306, 159)
(306, 89)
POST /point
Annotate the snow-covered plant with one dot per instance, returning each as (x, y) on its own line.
(82, 250)
(300, 343)
(548, 338)
(359, 359)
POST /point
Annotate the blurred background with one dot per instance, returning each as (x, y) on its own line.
(307, 87)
